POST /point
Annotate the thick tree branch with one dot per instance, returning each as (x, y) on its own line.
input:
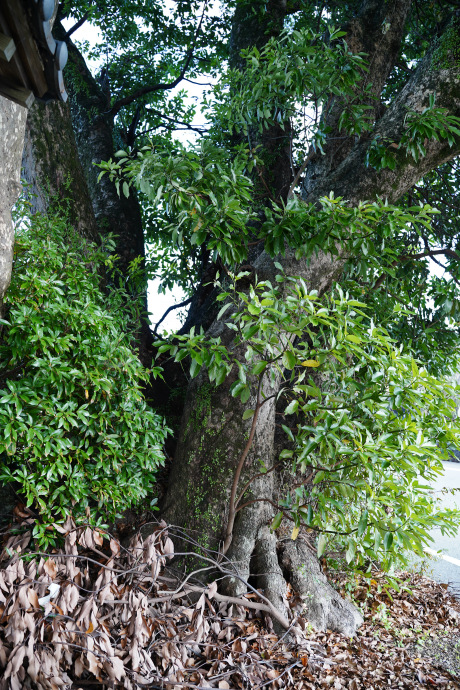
(436, 252)
(77, 25)
(174, 121)
(415, 257)
(355, 181)
(170, 309)
(377, 31)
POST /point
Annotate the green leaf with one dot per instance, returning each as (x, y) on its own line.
(194, 368)
(276, 521)
(245, 394)
(289, 359)
(223, 310)
(353, 338)
(321, 546)
(221, 375)
(388, 541)
(259, 368)
(247, 414)
(292, 407)
(237, 388)
(319, 476)
(350, 552)
(362, 525)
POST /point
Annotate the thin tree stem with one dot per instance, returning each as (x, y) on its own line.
(244, 455)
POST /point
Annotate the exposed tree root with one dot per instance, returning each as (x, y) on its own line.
(272, 568)
(325, 609)
(270, 577)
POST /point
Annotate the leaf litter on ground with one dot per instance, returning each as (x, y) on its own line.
(119, 618)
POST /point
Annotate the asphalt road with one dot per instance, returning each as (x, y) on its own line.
(447, 567)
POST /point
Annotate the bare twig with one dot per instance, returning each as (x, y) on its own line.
(77, 25)
(174, 121)
(253, 478)
(296, 179)
(273, 610)
(415, 257)
(170, 309)
(260, 500)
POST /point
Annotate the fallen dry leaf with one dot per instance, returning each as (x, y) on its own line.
(50, 568)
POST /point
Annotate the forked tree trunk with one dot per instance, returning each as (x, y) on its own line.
(211, 441)
(213, 434)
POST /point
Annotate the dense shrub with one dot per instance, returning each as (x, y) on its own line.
(75, 428)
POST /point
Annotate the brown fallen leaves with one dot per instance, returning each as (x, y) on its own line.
(118, 621)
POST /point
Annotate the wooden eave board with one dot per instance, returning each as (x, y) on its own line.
(7, 47)
(13, 71)
(27, 55)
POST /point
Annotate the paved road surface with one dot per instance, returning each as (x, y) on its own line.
(447, 569)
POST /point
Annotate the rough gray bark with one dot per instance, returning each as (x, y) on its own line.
(213, 437)
(52, 168)
(324, 607)
(354, 181)
(270, 578)
(94, 133)
(381, 46)
(211, 440)
(63, 145)
(93, 124)
(12, 126)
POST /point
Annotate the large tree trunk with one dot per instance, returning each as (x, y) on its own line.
(116, 214)
(213, 434)
(94, 133)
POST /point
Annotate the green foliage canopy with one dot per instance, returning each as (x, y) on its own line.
(367, 442)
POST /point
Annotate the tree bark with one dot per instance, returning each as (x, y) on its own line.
(51, 166)
(94, 129)
(364, 34)
(94, 133)
(213, 434)
(12, 126)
